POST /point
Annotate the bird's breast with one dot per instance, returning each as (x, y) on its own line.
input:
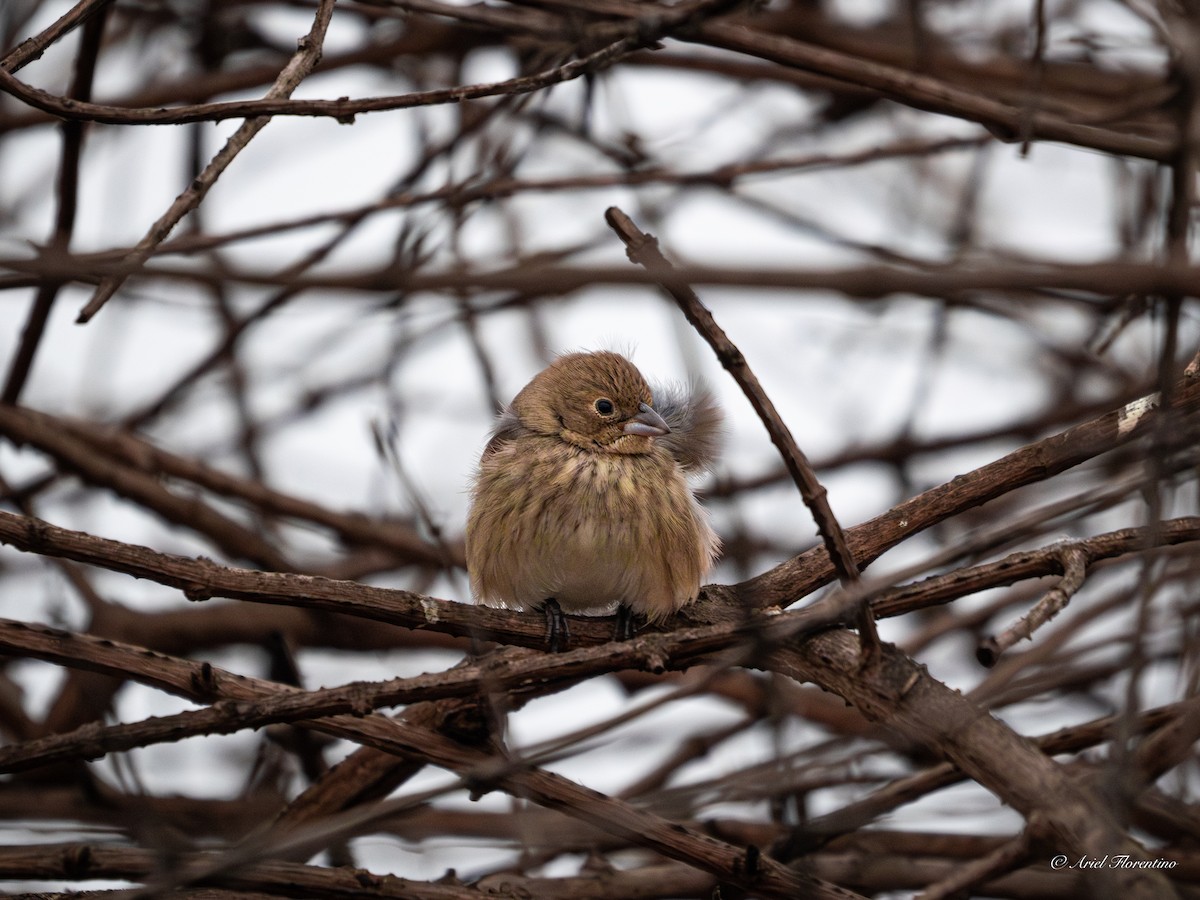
(590, 529)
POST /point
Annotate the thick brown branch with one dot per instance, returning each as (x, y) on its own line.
(205, 683)
(869, 282)
(1030, 464)
(351, 528)
(927, 93)
(903, 696)
(25, 427)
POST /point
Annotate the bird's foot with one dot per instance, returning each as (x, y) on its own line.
(558, 633)
(623, 629)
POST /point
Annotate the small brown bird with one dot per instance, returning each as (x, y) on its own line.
(581, 501)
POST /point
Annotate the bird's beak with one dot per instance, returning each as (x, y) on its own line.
(647, 423)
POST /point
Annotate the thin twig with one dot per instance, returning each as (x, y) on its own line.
(1074, 560)
(32, 48)
(301, 64)
(1008, 856)
(643, 250)
(1036, 75)
(68, 202)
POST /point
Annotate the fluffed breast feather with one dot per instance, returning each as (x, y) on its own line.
(696, 425)
(591, 530)
(581, 495)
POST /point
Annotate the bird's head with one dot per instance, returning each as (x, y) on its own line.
(597, 401)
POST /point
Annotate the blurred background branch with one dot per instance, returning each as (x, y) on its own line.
(318, 244)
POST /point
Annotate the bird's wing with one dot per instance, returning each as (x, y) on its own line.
(508, 428)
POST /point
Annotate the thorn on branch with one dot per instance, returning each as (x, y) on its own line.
(197, 593)
(204, 682)
(360, 705)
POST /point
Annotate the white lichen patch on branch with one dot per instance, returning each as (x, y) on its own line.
(1129, 415)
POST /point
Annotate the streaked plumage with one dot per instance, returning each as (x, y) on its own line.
(582, 495)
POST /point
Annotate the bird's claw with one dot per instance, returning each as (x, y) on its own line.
(558, 632)
(623, 629)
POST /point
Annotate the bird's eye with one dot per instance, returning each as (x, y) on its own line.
(604, 406)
